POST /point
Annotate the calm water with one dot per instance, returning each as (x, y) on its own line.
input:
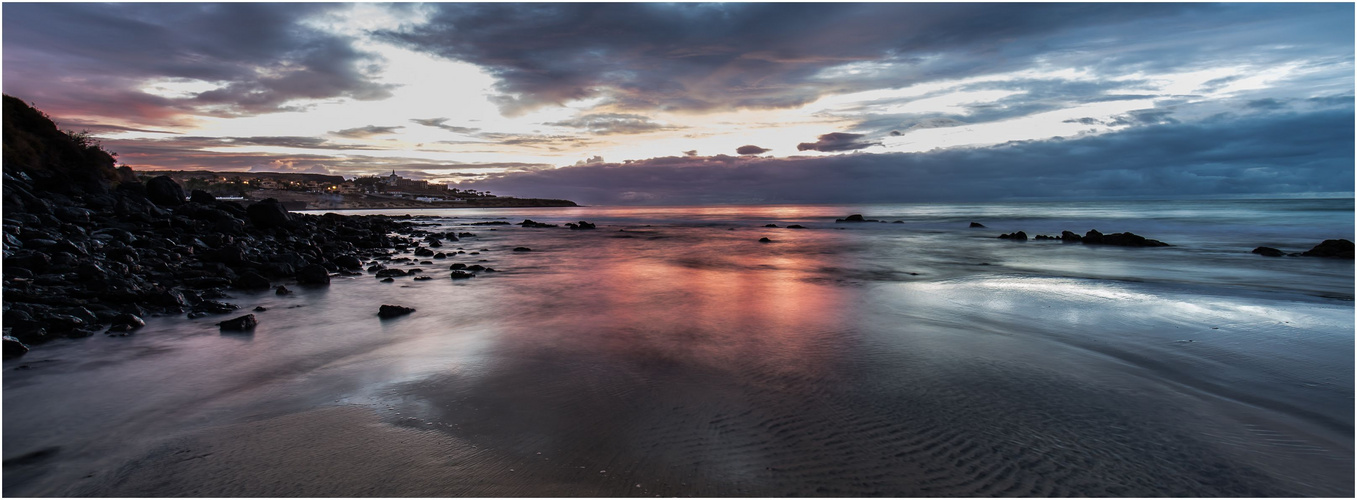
(669, 353)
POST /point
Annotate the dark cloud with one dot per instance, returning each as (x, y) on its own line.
(1277, 154)
(613, 123)
(749, 150)
(751, 55)
(690, 153)
(836, 141)
(441, 123)
(365, 132)
(93, 59)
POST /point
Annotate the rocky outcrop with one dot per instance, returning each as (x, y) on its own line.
(1017, 236)
(1093, 237)
(390, 311)
(1268, 252)
(1333, 249)
(855, 218)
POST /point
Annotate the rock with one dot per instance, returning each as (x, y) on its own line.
(1334, 249)
(1041, 237)
(460, 275)
(243, 323)
(796, 226)
(268, 214)
(1018, 236)
(389, 280)
(440, 255)
(126, 322)
(313, 274)
(977, 224)
(260, 309)
(214, 307)
(423, 252)
(585, 225)
(1268, 252)
(282, 290)
(423, 278)
(897, 222)
(765, 240)
(348, 262)
(201, 197)
(250, 280)
(522, 249)
(770, 225)
(532, 223)
(475, 267)
(389, 311)
(164, 191)
(855, 218)
(391, 273)
(1093, 237)
(13, 347)
(491, 223)
(457, 266)
(1070, 237)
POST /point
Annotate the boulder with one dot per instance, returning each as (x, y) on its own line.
(202, 197)
(268, 214)
(765, 240)
(1268, 252)
(522, 249)
(1018, 236)
(348, 262)
(796, 226)
(460, 275)
(250, 280)
(977, 224)
(457, 266)
(314, 274)
(164, 191)
(243, 323)
(282, 290)
(1070, 237)
(390, 273)
(389, 311)
(126, 322)
(13, 347)
(1093, 237)
(1334, 249)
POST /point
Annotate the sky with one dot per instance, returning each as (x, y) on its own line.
(649, 103)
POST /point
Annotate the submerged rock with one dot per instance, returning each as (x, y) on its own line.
(533, 223)
(391, 273)
(1334, 249)
(855, 218)
(390, 311)
(581, 225)
(765, 240)
(1093, 237)
(1268, 252)
(770, 225)
(1018, 236)
(796, 226)
(522, 249)
(977, 224)
(461, 275)
(246, 322)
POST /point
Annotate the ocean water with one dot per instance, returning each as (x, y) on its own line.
(670, 353)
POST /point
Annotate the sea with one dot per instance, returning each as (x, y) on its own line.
(670, 352)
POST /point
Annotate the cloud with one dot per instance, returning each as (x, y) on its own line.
(365, 132)
(81, 59)
(690, 153)
(746, 150)
(1269, 154)
(836, 141)
(705, 57)
(613, 123)
(440, 123)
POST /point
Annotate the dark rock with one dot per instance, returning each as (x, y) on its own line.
(423, 252)
(897, 222)
(389, 311)
(1018, 236)
(250, 280)
(459, 275)
(313, 274)
(243, 323)
(201, 197)
(440, 255)
(796, 226)
(348, 262)
(389, 273)
(423, 278)
(1041, 237)
(1268, 252)
(1334, 249)
(855, 218)
(214, 307)
(282, 290)
(522, 249)
(260, 309)
(532, 223)
(475, 267)
(457, 266)
(977, 224)
(13, 347)
(491, 223)
(1093, 237)
(770, 225)
(164, 191)
(584, 225)
(1070, 237)
(126, 322)
(765, 240)
(388, 280)
(269, 213)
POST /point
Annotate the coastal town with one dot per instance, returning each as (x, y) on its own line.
(320, 191)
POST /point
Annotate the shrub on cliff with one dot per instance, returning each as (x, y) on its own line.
(55, 160)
